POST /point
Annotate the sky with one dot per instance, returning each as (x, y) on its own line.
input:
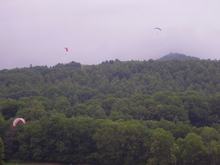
(35, 32)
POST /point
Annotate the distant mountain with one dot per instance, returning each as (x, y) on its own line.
(177, 56)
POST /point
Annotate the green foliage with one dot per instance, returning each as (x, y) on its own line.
(2, 125)
(51, 92)
(32, 110)
(120, 142)
(2, 156)
(133, 112)
(192, 149)
(62, 105)
(122, 79)
(161, 143)
(213, 151)
(9, 108)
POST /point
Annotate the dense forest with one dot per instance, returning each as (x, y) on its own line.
(154, 112)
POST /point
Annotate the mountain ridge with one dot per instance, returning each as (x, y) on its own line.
(177, 56)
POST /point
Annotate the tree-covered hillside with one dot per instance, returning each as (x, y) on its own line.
(123, 113)
(177, 56)
(121, 79)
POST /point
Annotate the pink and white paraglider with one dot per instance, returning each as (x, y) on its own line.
(66, 49)
(17, 120)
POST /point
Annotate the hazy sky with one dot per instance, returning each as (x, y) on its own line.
(36, 31)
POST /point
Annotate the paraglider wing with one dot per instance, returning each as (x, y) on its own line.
(158, 28)
(66, 49)
(15, 122)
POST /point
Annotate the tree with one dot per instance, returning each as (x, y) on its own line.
(174, 153)
(79, 109)
(121, 142)
(2, 127)
(33, 110)
(193, 149)
(181, 130)
(164, 124)
(76, 143)
(132, 137)
(107, 104)
(173, 113)
(62, 105)
(213, 152)
(108, 144)
(208, 134)
(96, 111)
(9, 108)
(161, 143)
(2, 156)
(53, 90)
(10, 139)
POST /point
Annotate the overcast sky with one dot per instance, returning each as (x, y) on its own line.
(36, 31)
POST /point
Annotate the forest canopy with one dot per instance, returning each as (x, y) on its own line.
(117, 112)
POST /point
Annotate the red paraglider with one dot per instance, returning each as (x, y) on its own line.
(66, 49)
(15, 122)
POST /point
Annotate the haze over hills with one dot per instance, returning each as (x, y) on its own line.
(177, 56)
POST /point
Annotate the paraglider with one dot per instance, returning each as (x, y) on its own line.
(15, 122)
(66, 49)
(157, 28)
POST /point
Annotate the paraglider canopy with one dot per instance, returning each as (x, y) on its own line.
(15, 122)
(66, 49)
(158, 28)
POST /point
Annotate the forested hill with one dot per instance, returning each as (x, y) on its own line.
(121, 113)
(177, 56)
(121, 79)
